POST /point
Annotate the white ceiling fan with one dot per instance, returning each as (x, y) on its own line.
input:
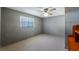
(47, 11)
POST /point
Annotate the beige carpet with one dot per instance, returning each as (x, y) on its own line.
(41, 42)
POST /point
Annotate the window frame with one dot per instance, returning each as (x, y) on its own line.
(30, 21)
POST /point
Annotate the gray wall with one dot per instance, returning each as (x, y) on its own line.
(11, 30)
(0, 26)
(55, 26)
(72, 17)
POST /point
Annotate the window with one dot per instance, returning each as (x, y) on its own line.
(26, 21)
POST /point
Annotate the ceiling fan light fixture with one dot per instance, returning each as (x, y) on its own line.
(47, 11)
(45, 14)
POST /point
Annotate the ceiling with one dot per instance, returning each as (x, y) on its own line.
(68, 9)
(37, 12)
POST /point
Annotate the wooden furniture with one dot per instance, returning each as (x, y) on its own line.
(73, 40)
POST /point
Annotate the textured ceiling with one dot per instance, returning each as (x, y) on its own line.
(37, 12)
